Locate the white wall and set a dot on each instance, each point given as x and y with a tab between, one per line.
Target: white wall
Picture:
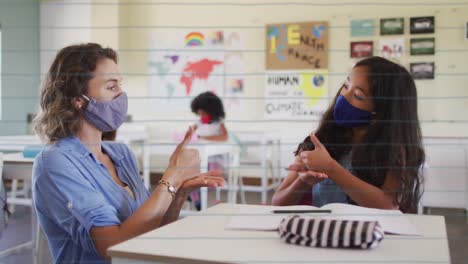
449	38
451	58
64	23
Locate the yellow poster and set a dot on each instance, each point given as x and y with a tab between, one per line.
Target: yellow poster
297	46
296	95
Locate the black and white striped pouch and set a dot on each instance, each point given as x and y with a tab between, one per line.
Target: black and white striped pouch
334	233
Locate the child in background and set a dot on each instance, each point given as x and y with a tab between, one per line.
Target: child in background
210	109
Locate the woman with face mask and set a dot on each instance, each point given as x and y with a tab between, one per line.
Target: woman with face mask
367	149
88	193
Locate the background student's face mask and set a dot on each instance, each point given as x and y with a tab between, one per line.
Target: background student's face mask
206	119
347	115
106	115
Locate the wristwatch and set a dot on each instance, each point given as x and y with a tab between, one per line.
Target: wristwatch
170	188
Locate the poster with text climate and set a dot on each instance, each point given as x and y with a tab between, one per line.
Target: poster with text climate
296	95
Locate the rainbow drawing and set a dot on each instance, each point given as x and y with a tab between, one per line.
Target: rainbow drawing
194	39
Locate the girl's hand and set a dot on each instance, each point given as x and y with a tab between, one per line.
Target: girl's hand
317	160
312	177
308	177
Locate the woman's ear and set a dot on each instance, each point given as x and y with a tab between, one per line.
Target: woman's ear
78	102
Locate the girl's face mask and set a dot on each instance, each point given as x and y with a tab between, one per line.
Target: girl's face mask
347	115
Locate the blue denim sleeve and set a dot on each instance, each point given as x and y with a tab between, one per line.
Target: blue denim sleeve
69	198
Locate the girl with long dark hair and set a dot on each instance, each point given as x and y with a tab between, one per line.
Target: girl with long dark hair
367	149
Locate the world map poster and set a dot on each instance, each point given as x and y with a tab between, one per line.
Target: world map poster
200	62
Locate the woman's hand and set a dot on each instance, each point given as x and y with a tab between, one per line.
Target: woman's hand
208	179
317	160
184	163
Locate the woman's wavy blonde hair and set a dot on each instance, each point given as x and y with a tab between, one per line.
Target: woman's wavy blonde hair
67	79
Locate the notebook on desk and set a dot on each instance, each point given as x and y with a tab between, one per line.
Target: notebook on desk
262	218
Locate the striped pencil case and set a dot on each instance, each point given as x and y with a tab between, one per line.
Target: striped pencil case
333	233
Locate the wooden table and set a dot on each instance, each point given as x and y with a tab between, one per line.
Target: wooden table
202	238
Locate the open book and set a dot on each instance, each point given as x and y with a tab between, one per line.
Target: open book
259	217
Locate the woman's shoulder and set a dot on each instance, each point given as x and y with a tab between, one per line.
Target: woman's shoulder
52	152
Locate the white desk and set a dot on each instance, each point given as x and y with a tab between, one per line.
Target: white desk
202	239
205	149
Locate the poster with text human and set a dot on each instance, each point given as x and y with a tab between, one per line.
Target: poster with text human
296	95
297	46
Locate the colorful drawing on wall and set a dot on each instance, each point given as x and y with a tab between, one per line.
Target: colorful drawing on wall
236	86
361	49
392	26
296	95
217	38
422	25
297	46
197	70
362	28
422	46
392	48
194	39
422	70
176	77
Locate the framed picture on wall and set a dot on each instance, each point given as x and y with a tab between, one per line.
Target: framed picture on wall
422	46
392	47
362	28
392	26
422	70
422	25
361	49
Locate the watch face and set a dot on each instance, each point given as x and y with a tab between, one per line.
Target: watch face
171	188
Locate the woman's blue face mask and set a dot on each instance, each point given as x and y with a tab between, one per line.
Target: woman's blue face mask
347	115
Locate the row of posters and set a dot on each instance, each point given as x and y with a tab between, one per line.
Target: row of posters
296	81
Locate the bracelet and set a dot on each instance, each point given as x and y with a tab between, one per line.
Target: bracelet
170	188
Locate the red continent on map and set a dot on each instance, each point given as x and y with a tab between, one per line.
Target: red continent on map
197	70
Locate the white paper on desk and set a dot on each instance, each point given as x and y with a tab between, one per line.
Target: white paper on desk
260	217
257	217
391	221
